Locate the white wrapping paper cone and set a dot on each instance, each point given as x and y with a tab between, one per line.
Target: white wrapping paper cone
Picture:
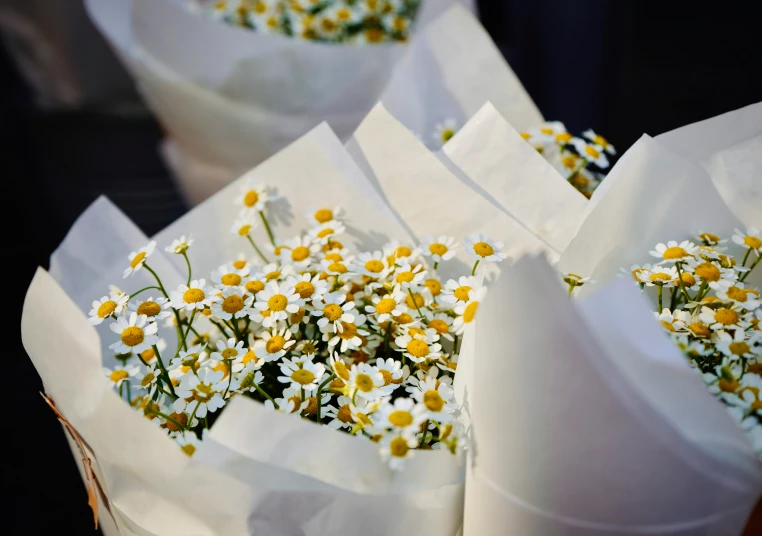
572	447
729	148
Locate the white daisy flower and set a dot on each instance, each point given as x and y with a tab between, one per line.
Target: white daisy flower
348	336
445	130
180	245
396	448
749	239
440	248
279	300
107	307
135	334
188	442
229	349
388	306
301	374
638	272
299	251
374	265
336	268
409	277
244	224
332	311
708	272
660	276
231	304
201	394
599	140
340	415
590	152
391	370
275	344
458	291
252	359
228	275
138	258
735	292
196	296
399	254
253	196
723	318
154	308
326	232
438	398
290	402
346	14
404	416
419	345
737	346
482	248
118	374
673	321
365	381
319	216
308	287
441	323
467	311
674	252
547	132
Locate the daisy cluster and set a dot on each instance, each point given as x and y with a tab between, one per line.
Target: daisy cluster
330	21
582	161
365	342
713	316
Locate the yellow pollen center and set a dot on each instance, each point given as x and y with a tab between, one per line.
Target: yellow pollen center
324	215
400	418
439	325
434	286
398	447
348	331
600	140
193	295
132	336
341	370
232	304
674	252
147	379
149	308
405	277
188	449
592	152
688	279
709	237
364	383
403	251
438	249
699	330
483	249
345	414
254	286
118	375
277	303
708	272
385	306
418	348
546	130
525	135
108	307
325	232
660	277
272	275
302	376
332	312
148	355
137	259
239	264
563	137
462	293
300	253
404	318
668	326
243	230
728	386
251	198
739	348
752	242
387	376
275	344
249	357
726	317
737	294
337	267
416	300
305	289
374	266
433	400
231	280
470	312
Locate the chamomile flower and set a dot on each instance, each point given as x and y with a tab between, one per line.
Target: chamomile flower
458	290
398	254
723	318
321	215
444	131
419	345
135	334
673	321
387	307
279	300
340	415
188	442
299	252
253	196
374	265
409	277
117	375
228	275
333	310
290	402
138	258
244	224
590	152
403	416
228	350
201	393
737	293
548	131
599	140
440	248
672	252
180	245
154	308
751	239
441	323
326	232
396	448
301	374
437	397
467	311
482	248
365	381
232	303
391	370
196	296
737	346
395	23
661	276
336	268
107	307
308	287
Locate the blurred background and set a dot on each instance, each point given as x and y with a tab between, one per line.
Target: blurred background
72	127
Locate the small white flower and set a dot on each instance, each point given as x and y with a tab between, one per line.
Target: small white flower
599	140
374	265
201	394
188	442
299	252
253	196
723	318
419	345
409	277
196	296
467	311
231	304
107	307
396	448
228	275
135	334
445	130
590	152
391	370
736	292
180	245
441	248
332	311
750	239
326	232
387	307
366	381
437	398
229	349
244	224
404	416
458	291
737	346
346	334
308	287
441	323
674	252
117	375
274	344
484	249
319	216
138	258
301	375
278	300
660	276
154	308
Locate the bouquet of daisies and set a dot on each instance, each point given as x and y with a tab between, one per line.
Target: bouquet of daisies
234	82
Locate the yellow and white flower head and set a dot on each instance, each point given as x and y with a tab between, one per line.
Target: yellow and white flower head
403	416
188	442
672	252
180	245
409	276
337	268
396	24
386	307
333	310
399	254
227	275
347	335
327	25
365	381
467	311
252	358
200	394
253	197
107	307
673	321
154	308
591	152
397	447
138	258
245	223
274	344
301	374
119	374
736	346
308	287
228	350
290	402
737	293
136	334
340	414
149	355
391	370
374	265
597	139
438	399
196	296
419	345
441	323
280	300
751	239
263	14
709	239
458	291
322	215
299	252
327	232
444	131
723	318
662	276
440	248
708	271
548	131
482	248
232	303
348	14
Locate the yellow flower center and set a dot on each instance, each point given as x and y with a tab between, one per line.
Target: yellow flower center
387	376
364	383
752	242
108	307
137	259
563	137
600	140
324	215
400	418
337	267
341	370
483	249
193	295
149	308
592	152
345	414
433	400
297	316
305	289
254	286
312	406
374	35
232	304
303	376
708	272
239	264
385	306
699	330
728	386
404	318
688	279
739	348
462	293
277	302
434	286
132	336
417	348
737	294
325	232
332	312
674	252
470	312
525	135
348	331
260	7
405	277
438	249
272	275
231	280
660	277
148	355
222	367
709	237
439	325
296	403
726	317
667	325
249	357
118	375
251	198
374	266
414	301
398	447
243	230
300	253
275	344
403	251
546	130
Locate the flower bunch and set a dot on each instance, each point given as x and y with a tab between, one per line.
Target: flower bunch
703	302
362	341
330	21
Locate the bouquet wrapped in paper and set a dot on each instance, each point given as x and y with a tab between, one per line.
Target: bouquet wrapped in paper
231	95
622	430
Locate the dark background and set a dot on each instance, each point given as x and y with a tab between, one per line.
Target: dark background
622	67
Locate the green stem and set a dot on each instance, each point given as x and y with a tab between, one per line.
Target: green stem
177	314
219	326
130	296
412	297
259	252
659	292
425	433
571	291
751	269
185	336
167	379
268	397
165	417
229	363
746	257
187	261
267	227
436	265
473	272
681	283
320	394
